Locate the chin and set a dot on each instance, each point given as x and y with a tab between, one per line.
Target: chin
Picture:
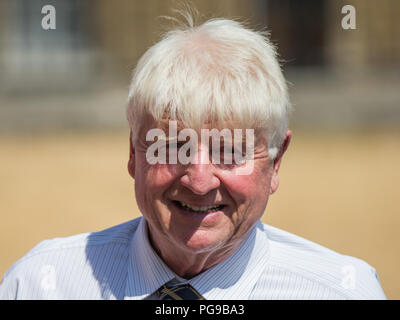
203	241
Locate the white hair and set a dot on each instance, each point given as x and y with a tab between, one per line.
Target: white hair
218	72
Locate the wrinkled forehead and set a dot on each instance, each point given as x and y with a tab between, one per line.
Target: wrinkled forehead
224	130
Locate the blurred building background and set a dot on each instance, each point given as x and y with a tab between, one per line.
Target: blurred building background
344	85
340	77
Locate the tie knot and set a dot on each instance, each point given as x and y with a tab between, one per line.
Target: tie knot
179	292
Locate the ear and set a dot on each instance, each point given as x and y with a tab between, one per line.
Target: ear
131	162
277	162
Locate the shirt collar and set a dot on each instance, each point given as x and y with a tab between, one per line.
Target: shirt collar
233	278
146	271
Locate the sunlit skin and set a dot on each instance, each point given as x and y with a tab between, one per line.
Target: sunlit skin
191	242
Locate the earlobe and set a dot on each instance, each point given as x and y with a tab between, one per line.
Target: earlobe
282	150
131	161
277	162
274	183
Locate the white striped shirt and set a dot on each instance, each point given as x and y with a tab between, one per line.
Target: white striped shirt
119	263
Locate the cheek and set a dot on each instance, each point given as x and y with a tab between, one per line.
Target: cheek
153	178
248	185
151	183
249	189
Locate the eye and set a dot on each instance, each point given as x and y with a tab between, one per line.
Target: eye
237	153
172	145
223	154
175	145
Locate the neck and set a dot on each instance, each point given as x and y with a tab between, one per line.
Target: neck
187	263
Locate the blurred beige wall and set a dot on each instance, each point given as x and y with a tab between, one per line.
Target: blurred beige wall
126	30
374	43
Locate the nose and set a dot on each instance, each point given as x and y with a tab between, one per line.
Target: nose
199	176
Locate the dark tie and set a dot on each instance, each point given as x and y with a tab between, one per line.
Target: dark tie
179	292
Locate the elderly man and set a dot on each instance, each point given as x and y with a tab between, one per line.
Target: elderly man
200	236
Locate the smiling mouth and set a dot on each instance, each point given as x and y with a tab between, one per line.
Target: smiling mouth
198	209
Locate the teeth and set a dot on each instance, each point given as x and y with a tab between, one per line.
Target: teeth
195	208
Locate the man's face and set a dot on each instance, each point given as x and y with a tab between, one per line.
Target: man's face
201	207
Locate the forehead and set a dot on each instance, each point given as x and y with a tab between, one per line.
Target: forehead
170	125
255	137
